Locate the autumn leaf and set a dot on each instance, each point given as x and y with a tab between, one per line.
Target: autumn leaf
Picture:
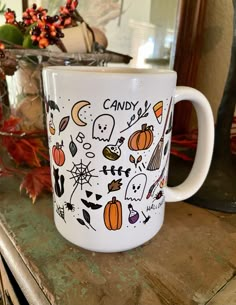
115	185
131	159
29	151
11	124
63	123
73	148
139	159
36	181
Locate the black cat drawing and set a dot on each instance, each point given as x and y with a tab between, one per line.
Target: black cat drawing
58	182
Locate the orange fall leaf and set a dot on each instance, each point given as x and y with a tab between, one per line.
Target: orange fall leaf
36	181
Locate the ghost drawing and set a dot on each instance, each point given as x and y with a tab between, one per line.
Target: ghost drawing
103	127
136	187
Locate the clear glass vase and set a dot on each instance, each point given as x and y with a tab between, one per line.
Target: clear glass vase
25	95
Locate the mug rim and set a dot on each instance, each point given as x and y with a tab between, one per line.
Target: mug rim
110	70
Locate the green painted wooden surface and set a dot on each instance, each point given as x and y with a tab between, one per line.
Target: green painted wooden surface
187	263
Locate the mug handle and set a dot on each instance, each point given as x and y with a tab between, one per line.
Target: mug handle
205	145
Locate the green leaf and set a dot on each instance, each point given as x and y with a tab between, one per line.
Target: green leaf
11	33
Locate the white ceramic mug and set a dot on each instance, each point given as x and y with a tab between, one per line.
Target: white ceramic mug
109	133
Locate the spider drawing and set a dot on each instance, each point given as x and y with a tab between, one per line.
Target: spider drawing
70	206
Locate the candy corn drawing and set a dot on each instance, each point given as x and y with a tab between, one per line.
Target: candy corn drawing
158	109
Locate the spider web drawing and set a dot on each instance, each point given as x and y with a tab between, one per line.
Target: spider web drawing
61	212
81	174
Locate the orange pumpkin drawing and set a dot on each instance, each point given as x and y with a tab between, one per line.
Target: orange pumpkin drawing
141	139
58	154
113	214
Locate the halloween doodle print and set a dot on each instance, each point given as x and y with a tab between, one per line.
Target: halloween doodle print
151	207
75	112
91	205
58	182
142	168
113	152
146	218
158	195
136	187
72	147
98	196
155	161
116	171
135	161
58	154
51	105
155	184
81	174
87	222
141	139
169	129
141	113
133	215
63	123
114	185
86	146
158	111
89	194
166	148
61	212
89	154
103	127
101	135
161	203
80	137
70	206
113	215
116	105
163	182
51	124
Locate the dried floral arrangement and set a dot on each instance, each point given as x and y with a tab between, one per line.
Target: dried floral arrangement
24	150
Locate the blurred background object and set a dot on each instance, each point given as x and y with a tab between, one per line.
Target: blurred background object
146	30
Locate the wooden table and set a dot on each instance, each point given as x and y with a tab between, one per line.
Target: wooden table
191	261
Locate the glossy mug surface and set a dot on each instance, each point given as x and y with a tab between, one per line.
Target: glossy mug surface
109	132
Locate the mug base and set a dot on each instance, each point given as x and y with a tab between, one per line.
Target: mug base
105	247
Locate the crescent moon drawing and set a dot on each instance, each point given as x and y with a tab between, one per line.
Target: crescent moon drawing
76	110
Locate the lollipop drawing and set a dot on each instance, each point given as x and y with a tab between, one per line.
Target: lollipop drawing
158	109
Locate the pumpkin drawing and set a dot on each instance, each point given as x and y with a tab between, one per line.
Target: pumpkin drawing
141	139
113	214
58	154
